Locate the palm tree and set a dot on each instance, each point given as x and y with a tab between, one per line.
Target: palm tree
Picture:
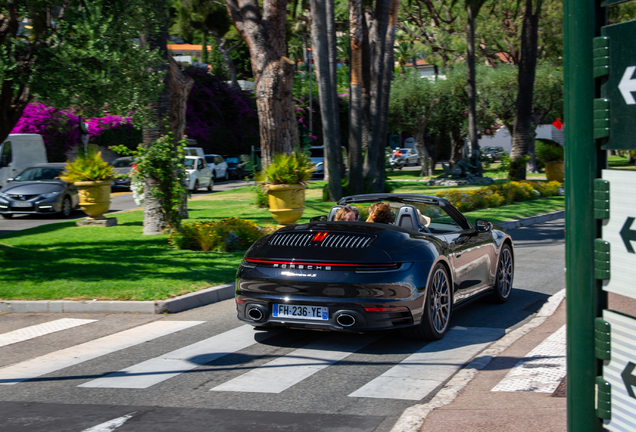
323	35
356	181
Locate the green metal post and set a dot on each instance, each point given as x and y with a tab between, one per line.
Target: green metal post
583	161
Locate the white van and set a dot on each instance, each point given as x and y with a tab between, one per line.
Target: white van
20	151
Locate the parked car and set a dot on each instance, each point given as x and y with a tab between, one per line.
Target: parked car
409	155
38	190
198	174
361	276
492	154
237	165
122	167
18	152
217	166
317	156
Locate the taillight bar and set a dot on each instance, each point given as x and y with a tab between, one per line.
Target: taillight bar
387	309
251	260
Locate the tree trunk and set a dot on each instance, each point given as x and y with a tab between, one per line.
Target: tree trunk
180	86
471	85
522	133
225	55
204	48
154	219
457	147
378	26
264	34
322	52
356	181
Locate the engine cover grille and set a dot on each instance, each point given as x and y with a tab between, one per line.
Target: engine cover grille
322	239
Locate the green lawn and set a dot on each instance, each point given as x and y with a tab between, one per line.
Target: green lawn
63	261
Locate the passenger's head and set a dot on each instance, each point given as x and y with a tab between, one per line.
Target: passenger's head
380	213
347	214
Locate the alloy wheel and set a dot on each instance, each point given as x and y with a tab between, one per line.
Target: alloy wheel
505	273
440	301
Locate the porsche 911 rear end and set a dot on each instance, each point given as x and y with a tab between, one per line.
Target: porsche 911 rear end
345	277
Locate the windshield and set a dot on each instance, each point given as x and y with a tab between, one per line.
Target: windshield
440	220
123	163
232	160
209	158
39	173
189	164
317	152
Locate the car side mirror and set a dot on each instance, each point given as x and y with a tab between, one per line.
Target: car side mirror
10	179
482	225
318	219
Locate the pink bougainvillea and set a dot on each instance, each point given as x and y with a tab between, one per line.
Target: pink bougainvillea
60	129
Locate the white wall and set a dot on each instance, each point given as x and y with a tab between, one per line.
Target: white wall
502	137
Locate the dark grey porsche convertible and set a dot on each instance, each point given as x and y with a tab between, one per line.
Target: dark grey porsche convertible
361	276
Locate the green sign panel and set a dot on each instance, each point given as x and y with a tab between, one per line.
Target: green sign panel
619	90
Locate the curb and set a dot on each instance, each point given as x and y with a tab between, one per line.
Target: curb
413	418
174	305
184	302
518	223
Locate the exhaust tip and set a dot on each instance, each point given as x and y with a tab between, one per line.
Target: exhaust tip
255	314
345	320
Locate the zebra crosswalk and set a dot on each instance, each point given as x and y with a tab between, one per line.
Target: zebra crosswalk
412	377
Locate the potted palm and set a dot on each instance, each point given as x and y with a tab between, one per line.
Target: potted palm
551	154
93	178
285	183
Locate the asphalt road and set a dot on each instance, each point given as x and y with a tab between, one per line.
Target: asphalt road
202	370
119	201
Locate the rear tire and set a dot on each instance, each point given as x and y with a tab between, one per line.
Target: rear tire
211	185
196	186
227	177
437	307
7	216
504	276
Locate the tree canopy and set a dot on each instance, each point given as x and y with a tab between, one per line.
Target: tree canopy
83	55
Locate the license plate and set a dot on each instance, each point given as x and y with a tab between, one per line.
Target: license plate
22	204
319	313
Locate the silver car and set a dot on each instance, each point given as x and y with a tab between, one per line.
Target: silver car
38	190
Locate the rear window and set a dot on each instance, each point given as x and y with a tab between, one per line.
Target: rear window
209	159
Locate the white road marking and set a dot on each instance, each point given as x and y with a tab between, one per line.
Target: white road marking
34	331
87	351
284	372
422	372
156	370
110	425
541	370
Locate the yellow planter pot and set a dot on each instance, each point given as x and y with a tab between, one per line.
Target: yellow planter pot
286	202
94	197
555	171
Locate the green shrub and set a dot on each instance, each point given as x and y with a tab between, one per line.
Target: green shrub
547	150
89	166
261	200
293	168
498	195
227	235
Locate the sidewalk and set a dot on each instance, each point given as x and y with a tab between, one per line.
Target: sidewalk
478	408
467	403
